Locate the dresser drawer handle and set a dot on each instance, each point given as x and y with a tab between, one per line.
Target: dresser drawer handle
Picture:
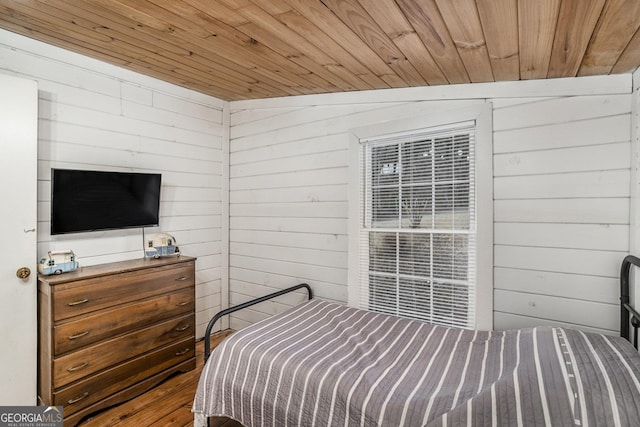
78	367
80	335
182	278
82	301
185	351
182	328
77	398
182	304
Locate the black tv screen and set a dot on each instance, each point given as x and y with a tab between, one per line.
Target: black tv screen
83	200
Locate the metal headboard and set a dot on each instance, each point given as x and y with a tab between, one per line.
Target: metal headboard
626	310
214	319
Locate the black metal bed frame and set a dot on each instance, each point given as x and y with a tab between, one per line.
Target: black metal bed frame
214	319
628	315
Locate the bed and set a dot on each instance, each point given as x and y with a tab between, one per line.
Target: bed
325	364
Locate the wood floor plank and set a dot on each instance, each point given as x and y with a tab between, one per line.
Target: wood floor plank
168	404
179	417
133	408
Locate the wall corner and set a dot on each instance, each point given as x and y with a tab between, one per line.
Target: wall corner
224	225
634	203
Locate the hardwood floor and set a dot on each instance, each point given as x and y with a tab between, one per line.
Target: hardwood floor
168	404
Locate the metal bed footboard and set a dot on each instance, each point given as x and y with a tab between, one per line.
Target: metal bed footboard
626	310
214	319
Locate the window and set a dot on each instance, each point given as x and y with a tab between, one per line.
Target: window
418	225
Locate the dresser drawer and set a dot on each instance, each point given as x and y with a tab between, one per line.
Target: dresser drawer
93	389
92	359
84	296
117	320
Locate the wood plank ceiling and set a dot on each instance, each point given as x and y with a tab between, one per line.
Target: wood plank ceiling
245	49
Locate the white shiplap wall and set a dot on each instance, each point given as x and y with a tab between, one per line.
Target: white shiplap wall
96	116
561	189
289	197
561	184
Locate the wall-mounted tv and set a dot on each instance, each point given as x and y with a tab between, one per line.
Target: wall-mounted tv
84	200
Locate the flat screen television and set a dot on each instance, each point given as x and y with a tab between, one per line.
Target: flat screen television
84	200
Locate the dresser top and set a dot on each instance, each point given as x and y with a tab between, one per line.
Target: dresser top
113	268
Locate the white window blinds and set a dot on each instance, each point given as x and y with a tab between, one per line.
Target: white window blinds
418	225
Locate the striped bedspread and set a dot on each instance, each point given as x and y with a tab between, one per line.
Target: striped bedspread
325	364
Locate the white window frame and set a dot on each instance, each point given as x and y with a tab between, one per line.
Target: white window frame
482	116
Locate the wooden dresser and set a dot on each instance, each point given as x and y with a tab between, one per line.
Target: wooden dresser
109	332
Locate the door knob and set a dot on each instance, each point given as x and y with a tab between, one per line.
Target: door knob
23	272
